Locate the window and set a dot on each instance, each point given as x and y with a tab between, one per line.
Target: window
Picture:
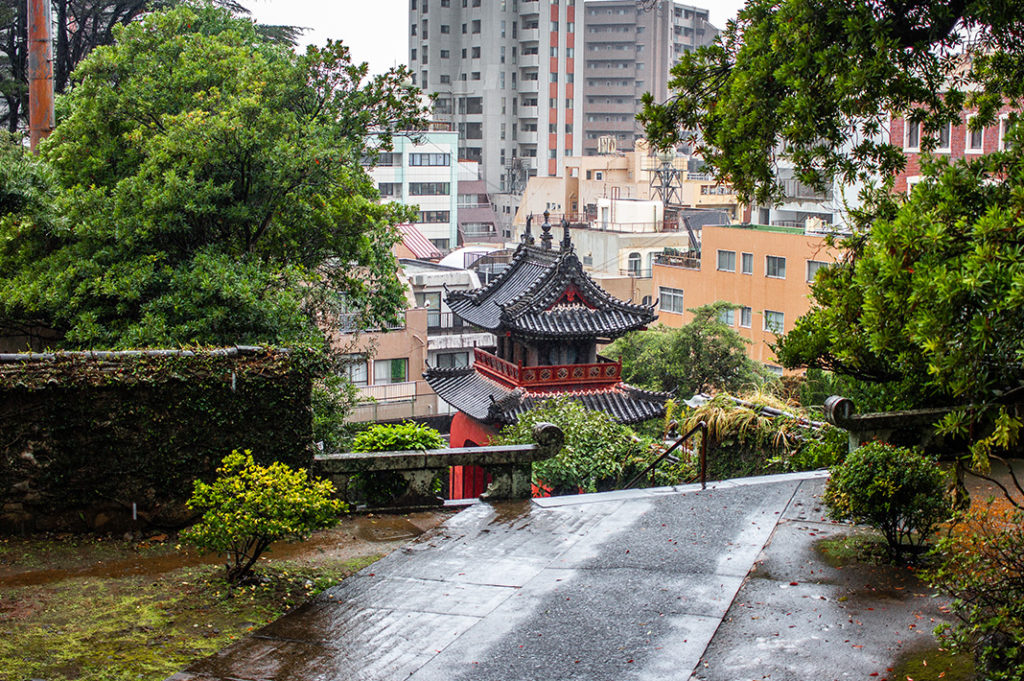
747	263
944	137
384	159
431	301
390	371
475	75
429	188
726	261
671	299
452	360
727	316
476	52
434	217
445	53
745	315
775	267
355	369
1004	127
445	80
912	136
774	322
445	28
975	138
476	26
430	159
812	268
389	188
634	263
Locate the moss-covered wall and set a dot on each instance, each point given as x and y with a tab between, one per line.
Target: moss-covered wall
84	436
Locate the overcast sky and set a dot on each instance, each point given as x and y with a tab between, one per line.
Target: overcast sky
375	30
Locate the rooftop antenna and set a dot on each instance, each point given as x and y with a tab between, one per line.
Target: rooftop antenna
40	73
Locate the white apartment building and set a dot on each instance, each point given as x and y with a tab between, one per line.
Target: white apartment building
423	170
504	74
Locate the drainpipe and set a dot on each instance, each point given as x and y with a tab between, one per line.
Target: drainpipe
40	72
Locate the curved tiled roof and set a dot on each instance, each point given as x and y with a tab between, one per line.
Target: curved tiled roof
489	402
528	298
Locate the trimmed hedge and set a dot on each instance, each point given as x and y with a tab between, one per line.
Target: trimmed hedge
86	435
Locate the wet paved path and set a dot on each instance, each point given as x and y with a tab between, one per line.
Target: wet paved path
623	585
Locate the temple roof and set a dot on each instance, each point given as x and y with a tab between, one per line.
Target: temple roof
489	402
545	293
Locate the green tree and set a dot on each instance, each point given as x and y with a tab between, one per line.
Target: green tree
814	82
702	355
211	191
598	454
927	300
248	507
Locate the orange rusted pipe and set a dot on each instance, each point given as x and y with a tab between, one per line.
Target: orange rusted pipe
40	72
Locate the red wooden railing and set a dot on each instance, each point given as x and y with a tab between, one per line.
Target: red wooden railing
548	375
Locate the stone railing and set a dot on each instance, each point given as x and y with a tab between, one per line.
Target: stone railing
909	427
510	467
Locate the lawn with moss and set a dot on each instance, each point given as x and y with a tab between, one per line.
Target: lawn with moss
80	624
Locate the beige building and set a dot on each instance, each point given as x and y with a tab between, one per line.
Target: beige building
765	270
635	175
387	365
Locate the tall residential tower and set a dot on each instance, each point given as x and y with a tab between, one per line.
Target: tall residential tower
628	50
504	74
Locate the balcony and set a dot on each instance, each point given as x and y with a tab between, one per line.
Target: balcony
635	273
350	323
527	137
551	376
529	86
529	35
387	392
447	322
529	112
686	262
529	61
795	190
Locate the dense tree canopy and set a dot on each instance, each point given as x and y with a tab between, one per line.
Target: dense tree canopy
702	355
814	82
208	188
928	298
79	26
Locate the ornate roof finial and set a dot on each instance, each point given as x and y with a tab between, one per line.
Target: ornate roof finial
528	235
566	239
546	229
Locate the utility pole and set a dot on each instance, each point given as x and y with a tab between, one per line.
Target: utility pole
40	72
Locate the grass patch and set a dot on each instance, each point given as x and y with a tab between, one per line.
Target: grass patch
932	664
145	627
851	549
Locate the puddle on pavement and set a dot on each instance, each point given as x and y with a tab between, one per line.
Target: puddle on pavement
385	528
369	528
509	512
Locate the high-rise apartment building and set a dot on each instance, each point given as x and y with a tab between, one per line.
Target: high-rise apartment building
503	73
628	50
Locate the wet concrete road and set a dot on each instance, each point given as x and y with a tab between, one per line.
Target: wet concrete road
623	585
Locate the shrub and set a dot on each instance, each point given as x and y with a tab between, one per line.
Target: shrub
825	448
248	507
895	490
379	488
598	454
982	568
397	438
